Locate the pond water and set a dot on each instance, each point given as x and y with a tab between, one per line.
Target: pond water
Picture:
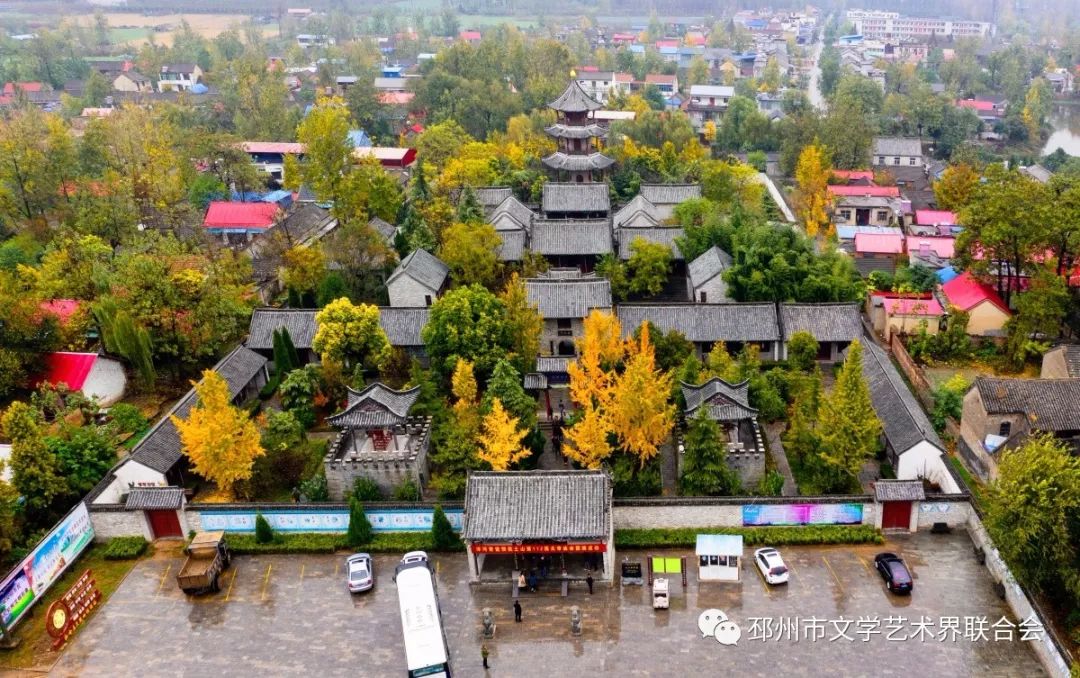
1066	135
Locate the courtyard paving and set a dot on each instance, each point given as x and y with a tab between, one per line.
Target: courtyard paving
291	615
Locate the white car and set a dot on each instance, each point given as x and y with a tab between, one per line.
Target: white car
771	565
360	575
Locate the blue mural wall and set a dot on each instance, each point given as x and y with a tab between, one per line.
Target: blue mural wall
331	520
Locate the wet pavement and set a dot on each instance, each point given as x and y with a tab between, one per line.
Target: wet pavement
291	615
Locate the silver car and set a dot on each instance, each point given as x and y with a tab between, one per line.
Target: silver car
359	572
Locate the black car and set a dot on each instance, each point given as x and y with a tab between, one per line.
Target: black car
894	572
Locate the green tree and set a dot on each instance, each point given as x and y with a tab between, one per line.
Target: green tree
365	489
705	471
847	423
36	472
648	267
523	323
467	323
505	385
698	72
1031	515
360	531
297	391
350	334
264	534
85	453
442	533
471	252
469	210
802	351
1040	311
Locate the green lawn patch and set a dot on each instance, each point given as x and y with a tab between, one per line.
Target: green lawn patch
686	537
35	645
978	491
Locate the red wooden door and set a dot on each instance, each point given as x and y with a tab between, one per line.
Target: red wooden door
896	514
164	524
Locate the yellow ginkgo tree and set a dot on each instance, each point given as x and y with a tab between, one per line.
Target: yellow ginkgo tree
221	440
501	438
640	413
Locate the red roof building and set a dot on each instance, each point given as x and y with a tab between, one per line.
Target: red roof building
927	307
95	376
879	243
871	191
470	36
987	313
976	105
935	218
240	216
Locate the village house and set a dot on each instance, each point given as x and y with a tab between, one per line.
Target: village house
237	223
95	376
564	299
158	461
877	252
833	325
911	444
866	205
708	103
896	152
892	314
418	280
705	276
1061	362
379	440
987	312
602	85
403	327
1000	414
664	198
179	77
132	81
705	325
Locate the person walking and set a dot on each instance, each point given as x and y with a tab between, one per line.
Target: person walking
589	581
517	611
484	654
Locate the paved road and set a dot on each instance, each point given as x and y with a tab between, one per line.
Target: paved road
814	88
290	615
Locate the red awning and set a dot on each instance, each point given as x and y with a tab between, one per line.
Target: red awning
540	547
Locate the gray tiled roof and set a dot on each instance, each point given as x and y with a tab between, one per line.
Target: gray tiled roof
383	228
375	406
299	321
899	490
160	448
490	196
635	210
511	245
534	381
305	221
562	131
709	264
403	325
577	163
663	236
516	209
152	498
827	322
571	236
706	322
575	100
725	401
1071	354
669	194
576	197
552	364
568	298
893	146
1049	404
522	505
903	420
423	267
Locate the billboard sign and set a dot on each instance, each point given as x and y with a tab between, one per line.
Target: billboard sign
756	515
45	564
331	520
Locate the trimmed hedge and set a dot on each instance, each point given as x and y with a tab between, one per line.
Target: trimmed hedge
311	542
686	537
125	548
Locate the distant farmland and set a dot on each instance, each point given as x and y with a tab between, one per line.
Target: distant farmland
127	27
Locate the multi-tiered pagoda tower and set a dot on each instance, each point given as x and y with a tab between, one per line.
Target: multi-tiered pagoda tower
577	159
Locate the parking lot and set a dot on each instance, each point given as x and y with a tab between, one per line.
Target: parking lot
290	615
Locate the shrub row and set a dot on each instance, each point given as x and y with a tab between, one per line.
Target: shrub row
752	536
125	548
306	542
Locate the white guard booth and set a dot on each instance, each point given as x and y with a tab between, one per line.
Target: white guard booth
719	557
